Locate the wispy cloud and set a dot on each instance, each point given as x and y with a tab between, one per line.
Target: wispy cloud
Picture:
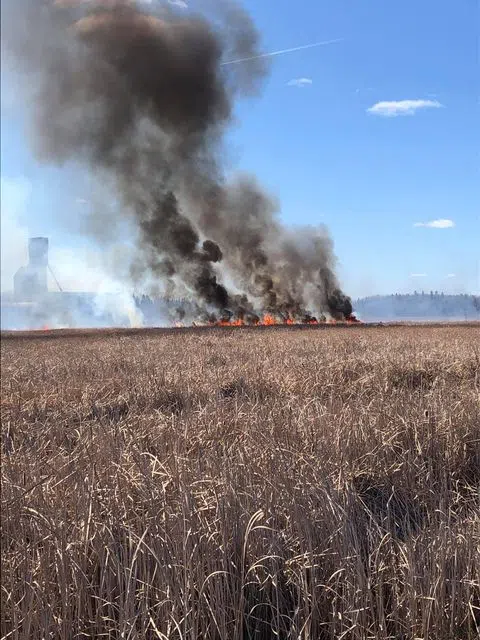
441	223
363	90
391	109
270	54
450	275
300	82
179	3
418	275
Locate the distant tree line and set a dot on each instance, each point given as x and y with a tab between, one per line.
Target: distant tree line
432	305
420	305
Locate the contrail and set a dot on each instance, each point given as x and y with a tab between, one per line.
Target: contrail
278	53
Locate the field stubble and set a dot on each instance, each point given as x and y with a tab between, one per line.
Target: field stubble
242	484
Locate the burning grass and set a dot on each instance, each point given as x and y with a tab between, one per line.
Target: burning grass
269	320
234	484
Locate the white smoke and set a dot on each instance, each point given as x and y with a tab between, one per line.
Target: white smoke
71	269
15	194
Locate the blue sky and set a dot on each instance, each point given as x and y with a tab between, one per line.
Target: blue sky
371	135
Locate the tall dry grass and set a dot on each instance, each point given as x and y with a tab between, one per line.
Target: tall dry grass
242	484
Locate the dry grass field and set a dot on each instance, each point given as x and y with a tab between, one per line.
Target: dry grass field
242	484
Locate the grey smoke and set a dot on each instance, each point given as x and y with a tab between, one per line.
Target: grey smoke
143	99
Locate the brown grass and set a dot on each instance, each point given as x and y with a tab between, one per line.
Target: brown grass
242	485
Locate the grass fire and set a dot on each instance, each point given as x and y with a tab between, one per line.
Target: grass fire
142	99
269	320
209	444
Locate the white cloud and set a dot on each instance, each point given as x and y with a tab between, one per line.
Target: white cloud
450	275
441	223
300	82
179	3
390	109
418	275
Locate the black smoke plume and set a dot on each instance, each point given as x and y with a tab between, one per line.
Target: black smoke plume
143	98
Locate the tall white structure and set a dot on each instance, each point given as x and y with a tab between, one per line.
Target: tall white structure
30	282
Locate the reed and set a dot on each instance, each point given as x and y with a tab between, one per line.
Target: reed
242	484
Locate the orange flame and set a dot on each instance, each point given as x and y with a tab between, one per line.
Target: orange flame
230	323
270	320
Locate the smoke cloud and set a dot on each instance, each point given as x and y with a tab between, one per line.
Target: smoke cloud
142	97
